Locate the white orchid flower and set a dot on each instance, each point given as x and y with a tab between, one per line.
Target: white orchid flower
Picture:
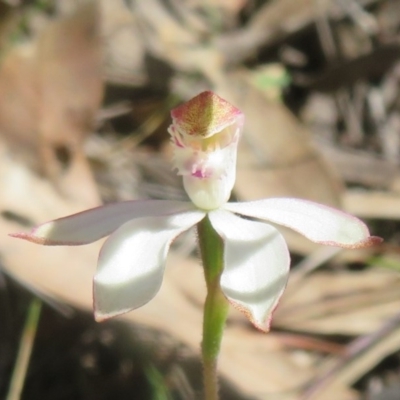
205	133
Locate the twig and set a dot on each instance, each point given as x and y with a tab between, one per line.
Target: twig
355	349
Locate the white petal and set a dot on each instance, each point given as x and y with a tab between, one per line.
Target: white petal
131	262
256	267
96	223
317	222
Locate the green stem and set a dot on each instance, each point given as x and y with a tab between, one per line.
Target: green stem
25	350
216	306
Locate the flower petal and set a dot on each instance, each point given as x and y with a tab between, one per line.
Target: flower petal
317	222
131	262
96	223
256	267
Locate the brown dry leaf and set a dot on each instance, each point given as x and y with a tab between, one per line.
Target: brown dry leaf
167	39
19	97
361	167
345	302
273	21
373	204
49	92
124	52
70	65
227	6
361	355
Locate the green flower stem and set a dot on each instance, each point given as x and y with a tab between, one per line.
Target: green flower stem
25	350
216	306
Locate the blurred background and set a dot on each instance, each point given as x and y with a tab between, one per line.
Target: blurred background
86	88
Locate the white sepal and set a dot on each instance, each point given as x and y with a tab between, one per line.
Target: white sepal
91	225
132	260
256	268
317	222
